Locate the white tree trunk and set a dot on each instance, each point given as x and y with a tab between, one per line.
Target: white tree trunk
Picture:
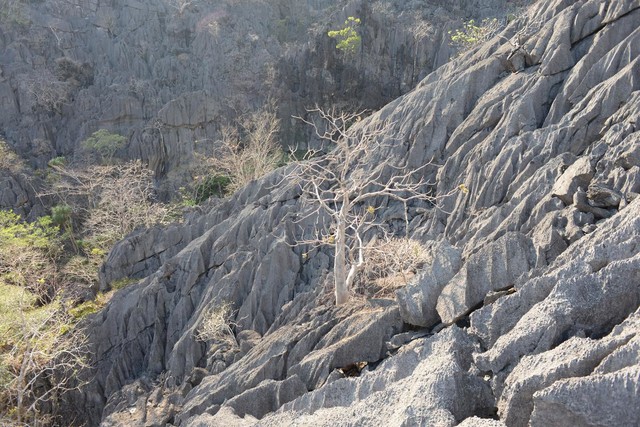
356	266
339	264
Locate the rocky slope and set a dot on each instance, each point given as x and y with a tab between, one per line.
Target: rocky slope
528	312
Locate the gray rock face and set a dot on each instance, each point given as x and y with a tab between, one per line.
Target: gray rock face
166	76
566	331
308	352
426	383
609	399
544	374
495	267
267	397
603	273
18	187
418	299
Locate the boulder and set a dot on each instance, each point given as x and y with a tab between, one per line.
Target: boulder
417	301
579	174
494	267
602	196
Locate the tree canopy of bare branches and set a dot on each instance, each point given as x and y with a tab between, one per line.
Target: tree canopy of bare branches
339	186
44	353
249	149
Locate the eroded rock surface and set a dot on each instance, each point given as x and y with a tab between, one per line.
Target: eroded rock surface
168	74
545	144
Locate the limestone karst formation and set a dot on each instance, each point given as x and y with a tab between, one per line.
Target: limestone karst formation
526	312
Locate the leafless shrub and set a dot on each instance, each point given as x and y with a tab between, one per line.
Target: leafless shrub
389	264
9	160
47	92
41	356
217	325
247	150
112	200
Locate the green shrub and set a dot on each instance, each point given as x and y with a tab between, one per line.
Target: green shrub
122	283
472	34
83	310
213	185
28	251
104	143
348	38
61	215
59	161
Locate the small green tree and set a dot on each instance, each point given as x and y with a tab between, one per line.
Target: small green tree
471	34
104	143
348	38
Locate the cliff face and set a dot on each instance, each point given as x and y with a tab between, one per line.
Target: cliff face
529	306
166	77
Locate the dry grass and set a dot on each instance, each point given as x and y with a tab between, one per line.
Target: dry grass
389	264
217	325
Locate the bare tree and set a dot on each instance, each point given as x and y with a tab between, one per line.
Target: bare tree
339	185
110	200
249	149
47	92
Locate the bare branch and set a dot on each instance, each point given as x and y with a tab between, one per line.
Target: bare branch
342	182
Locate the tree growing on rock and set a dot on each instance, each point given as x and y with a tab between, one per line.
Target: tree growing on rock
104	144
344	185
348	39
248	149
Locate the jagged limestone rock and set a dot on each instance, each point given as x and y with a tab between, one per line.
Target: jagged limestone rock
574	358
508	137
268	396
418	299
494	267
603	272
599	400
427	383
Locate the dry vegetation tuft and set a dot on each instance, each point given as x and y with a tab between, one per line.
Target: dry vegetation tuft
217	325
389	264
